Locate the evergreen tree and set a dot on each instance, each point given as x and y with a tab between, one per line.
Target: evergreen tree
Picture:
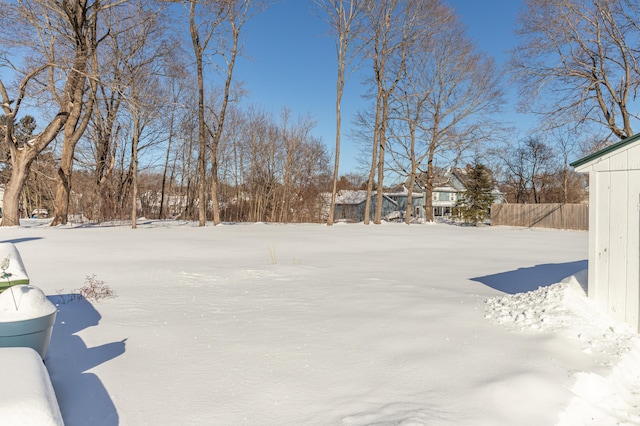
476	201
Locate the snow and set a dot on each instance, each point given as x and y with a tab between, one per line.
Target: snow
22	302
26	395
604	395
264	324
14	269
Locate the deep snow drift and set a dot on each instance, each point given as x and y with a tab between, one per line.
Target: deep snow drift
306	324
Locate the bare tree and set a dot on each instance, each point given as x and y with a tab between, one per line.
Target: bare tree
449	94
579	60
202	28
566	143
264	165
295	137
74	128
131	31
529	166
393	27
175	89
411	101
279	168
233	155
103	134
387	46
62	38
343	16
222	22
187	156
237	12
142	61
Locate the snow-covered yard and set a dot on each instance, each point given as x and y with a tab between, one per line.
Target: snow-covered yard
258	324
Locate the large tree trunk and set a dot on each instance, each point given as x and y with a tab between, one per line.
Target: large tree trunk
76	123
198	50
13	190
72	135
63	186
382	140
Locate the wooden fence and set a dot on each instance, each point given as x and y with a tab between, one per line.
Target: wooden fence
558	216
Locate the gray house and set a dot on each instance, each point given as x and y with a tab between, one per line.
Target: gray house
350	206
449	187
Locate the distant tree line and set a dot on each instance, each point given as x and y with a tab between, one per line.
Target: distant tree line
435	97
111	82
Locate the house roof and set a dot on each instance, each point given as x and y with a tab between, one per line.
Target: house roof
402	191
351	197
611	148
356	197
449	180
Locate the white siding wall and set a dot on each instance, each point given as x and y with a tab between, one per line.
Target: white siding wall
614	233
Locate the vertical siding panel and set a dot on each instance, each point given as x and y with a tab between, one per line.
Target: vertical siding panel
634	158
618	161
633	250
601	244
618	216
594	217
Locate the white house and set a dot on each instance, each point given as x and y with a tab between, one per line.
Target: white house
614	228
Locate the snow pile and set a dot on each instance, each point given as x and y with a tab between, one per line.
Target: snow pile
565	309
610	398
26	394
607	400
22	302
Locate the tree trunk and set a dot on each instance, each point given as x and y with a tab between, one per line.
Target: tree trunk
236	20
428	190
161	213
412	174
336	164
202	167
372	170
13	190
134	172
382	142
63	187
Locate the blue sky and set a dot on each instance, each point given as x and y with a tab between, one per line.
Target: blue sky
291	61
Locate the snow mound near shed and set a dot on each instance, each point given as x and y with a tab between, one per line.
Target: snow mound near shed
564	309
606	400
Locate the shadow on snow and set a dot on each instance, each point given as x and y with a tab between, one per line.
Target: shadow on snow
82	397
21	240
523	280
